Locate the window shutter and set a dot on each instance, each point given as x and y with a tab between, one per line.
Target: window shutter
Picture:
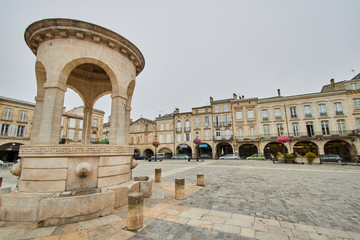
25	132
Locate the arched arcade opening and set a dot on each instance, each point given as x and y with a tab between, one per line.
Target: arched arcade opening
223	149
184	149
247	150
339	147
304	147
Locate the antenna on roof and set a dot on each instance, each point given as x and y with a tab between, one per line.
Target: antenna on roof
353	71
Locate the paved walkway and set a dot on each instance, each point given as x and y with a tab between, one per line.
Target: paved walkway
241	200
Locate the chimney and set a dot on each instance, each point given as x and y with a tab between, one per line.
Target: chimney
332	81
242	96
211	99
279	93
234	96
176	110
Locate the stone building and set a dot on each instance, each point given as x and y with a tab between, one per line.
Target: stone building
15	124
323	122
72	125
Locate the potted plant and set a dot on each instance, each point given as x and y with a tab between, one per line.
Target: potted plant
310	157
283	140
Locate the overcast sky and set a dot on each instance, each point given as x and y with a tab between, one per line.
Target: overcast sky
195	49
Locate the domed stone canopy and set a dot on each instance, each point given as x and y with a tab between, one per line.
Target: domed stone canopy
47	29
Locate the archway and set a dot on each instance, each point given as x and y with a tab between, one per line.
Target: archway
272	148
9	152
205	150
304	147
184	149
338	147
148	153
167	151
247	150
223	149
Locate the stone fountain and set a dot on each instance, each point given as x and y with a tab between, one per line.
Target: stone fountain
66	183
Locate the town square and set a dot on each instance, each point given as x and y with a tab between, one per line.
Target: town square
191	120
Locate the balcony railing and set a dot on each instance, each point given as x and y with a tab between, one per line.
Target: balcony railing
247	138
178	129
222	124
187	129
222	138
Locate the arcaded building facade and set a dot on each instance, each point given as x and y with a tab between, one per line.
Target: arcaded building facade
322	122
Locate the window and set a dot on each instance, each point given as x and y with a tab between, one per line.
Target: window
72	122
322	109
239	116
197	134
266	128
341	126
22	117
217	108
137	128
7	114
218	134
207	134
338	108
197	122
178	127
226	120
252	132
293	112
146	127
310	129
20	131
187	125
358	123
93	137
196	111
161	138
277	112
265	114
187	137
168	138
226	108
280	129
5	129
325	127
217	121
295	127
167	126
179	137
357	104
95	122
227	134
161	127
307	111
206	121
71	133
353	86
81	124
241	135
80	135
206	110
250	115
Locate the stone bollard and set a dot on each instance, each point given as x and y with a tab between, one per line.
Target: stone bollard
200	180
157	174
180	188
135	213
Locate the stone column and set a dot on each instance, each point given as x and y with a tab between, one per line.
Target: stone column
157	174
52	109
200	180
135	211
36	120
180	188
87	124
118	121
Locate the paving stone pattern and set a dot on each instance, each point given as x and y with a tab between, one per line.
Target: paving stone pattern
240	200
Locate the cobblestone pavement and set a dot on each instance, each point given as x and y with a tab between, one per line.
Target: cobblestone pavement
240	200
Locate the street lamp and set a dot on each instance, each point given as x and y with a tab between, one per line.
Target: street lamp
197	142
